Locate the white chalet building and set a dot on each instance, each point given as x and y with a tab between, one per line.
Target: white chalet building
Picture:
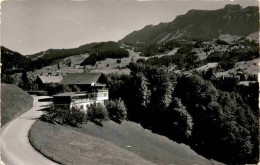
93	91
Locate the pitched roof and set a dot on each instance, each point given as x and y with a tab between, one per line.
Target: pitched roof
50	79
81	78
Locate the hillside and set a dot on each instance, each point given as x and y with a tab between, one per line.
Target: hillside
107	66
14	101
200	24
127	143
12	60
87	48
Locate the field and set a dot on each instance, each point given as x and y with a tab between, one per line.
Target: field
249	67
127	143
14	101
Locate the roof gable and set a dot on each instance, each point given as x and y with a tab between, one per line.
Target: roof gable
81	78
50	79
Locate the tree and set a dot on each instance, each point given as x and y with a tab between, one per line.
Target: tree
68	62
51	89
97	113
150	95
118	61
209	74
118	86
61	88
139	96
160	87
239	129
25	82
116	110
141	60
226	83
250	95
179	119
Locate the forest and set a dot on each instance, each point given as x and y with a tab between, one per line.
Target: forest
219	123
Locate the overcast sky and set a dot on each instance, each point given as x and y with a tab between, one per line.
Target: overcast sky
32	26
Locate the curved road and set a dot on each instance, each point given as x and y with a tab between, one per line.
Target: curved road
15	146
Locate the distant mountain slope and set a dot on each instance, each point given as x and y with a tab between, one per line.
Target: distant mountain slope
14	101
87	48
201	24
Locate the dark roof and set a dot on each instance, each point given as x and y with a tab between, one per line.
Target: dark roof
50	79
81	78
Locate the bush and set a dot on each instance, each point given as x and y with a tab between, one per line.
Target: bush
118	61
76	116
97	113
62	115
116	110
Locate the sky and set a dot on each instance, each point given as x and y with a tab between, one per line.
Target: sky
35	25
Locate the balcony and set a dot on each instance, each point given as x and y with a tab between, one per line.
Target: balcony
98	95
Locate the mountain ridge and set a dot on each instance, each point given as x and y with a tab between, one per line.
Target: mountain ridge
200	24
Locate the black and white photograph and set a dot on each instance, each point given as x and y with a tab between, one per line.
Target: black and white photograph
129	82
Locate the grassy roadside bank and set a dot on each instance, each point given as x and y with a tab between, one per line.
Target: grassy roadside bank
14	101
127	143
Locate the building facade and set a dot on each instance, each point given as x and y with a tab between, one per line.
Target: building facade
80	100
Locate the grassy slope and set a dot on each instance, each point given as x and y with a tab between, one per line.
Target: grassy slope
249	67
110	145
14	101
